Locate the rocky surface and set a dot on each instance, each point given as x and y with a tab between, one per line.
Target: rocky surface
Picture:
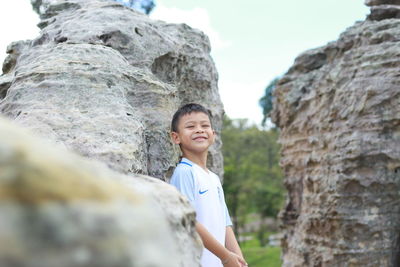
101	80
338	108
58	209
381	2
383	9
105	80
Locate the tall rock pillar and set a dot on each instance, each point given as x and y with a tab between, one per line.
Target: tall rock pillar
338	108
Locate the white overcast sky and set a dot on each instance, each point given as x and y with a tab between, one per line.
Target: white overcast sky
252	41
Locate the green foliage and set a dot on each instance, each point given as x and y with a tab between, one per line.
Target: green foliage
266	102
253	178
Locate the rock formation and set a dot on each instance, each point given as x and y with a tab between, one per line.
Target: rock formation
105	80
338	108
58	209
101	80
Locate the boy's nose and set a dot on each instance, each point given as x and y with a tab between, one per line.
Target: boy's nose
199	130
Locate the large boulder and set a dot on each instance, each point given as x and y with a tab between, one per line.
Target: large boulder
105	80
338	108
59	209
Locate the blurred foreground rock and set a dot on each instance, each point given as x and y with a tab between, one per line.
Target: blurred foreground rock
58	209
338	108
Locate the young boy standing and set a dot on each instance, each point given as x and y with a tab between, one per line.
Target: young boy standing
191	129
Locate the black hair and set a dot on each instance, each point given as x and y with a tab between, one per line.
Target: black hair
187	109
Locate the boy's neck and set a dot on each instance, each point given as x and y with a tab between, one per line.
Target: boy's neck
199	159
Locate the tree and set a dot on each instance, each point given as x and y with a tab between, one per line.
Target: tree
145	6
266	102
253	178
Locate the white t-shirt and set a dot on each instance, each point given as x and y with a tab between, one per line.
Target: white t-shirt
205	193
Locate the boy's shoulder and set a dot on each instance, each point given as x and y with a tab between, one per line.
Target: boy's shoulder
183	175
184	166
185	163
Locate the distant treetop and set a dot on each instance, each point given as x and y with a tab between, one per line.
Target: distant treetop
266	102
145	6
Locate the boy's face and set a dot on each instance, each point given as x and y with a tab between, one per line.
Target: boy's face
195	133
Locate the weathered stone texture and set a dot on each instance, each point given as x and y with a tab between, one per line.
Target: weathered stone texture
338	108
381	2
384	12
102	80
105	80
58	209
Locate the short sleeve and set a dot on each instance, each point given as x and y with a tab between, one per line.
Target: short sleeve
183	180
227	217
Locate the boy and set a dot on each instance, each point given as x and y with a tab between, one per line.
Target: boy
191	129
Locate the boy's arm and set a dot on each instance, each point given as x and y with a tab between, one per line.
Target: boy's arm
231	242
228	258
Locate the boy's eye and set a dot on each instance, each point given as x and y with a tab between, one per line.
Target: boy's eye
206	125
190	126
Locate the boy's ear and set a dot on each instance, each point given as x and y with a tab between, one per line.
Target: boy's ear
175	138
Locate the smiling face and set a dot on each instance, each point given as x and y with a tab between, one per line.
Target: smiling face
194	134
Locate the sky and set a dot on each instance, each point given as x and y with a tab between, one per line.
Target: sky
252	42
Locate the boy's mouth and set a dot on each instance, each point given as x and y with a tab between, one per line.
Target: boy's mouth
199	138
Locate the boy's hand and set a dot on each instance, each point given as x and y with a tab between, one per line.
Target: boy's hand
234	260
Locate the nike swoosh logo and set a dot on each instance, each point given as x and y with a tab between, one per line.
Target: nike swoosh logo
202	192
